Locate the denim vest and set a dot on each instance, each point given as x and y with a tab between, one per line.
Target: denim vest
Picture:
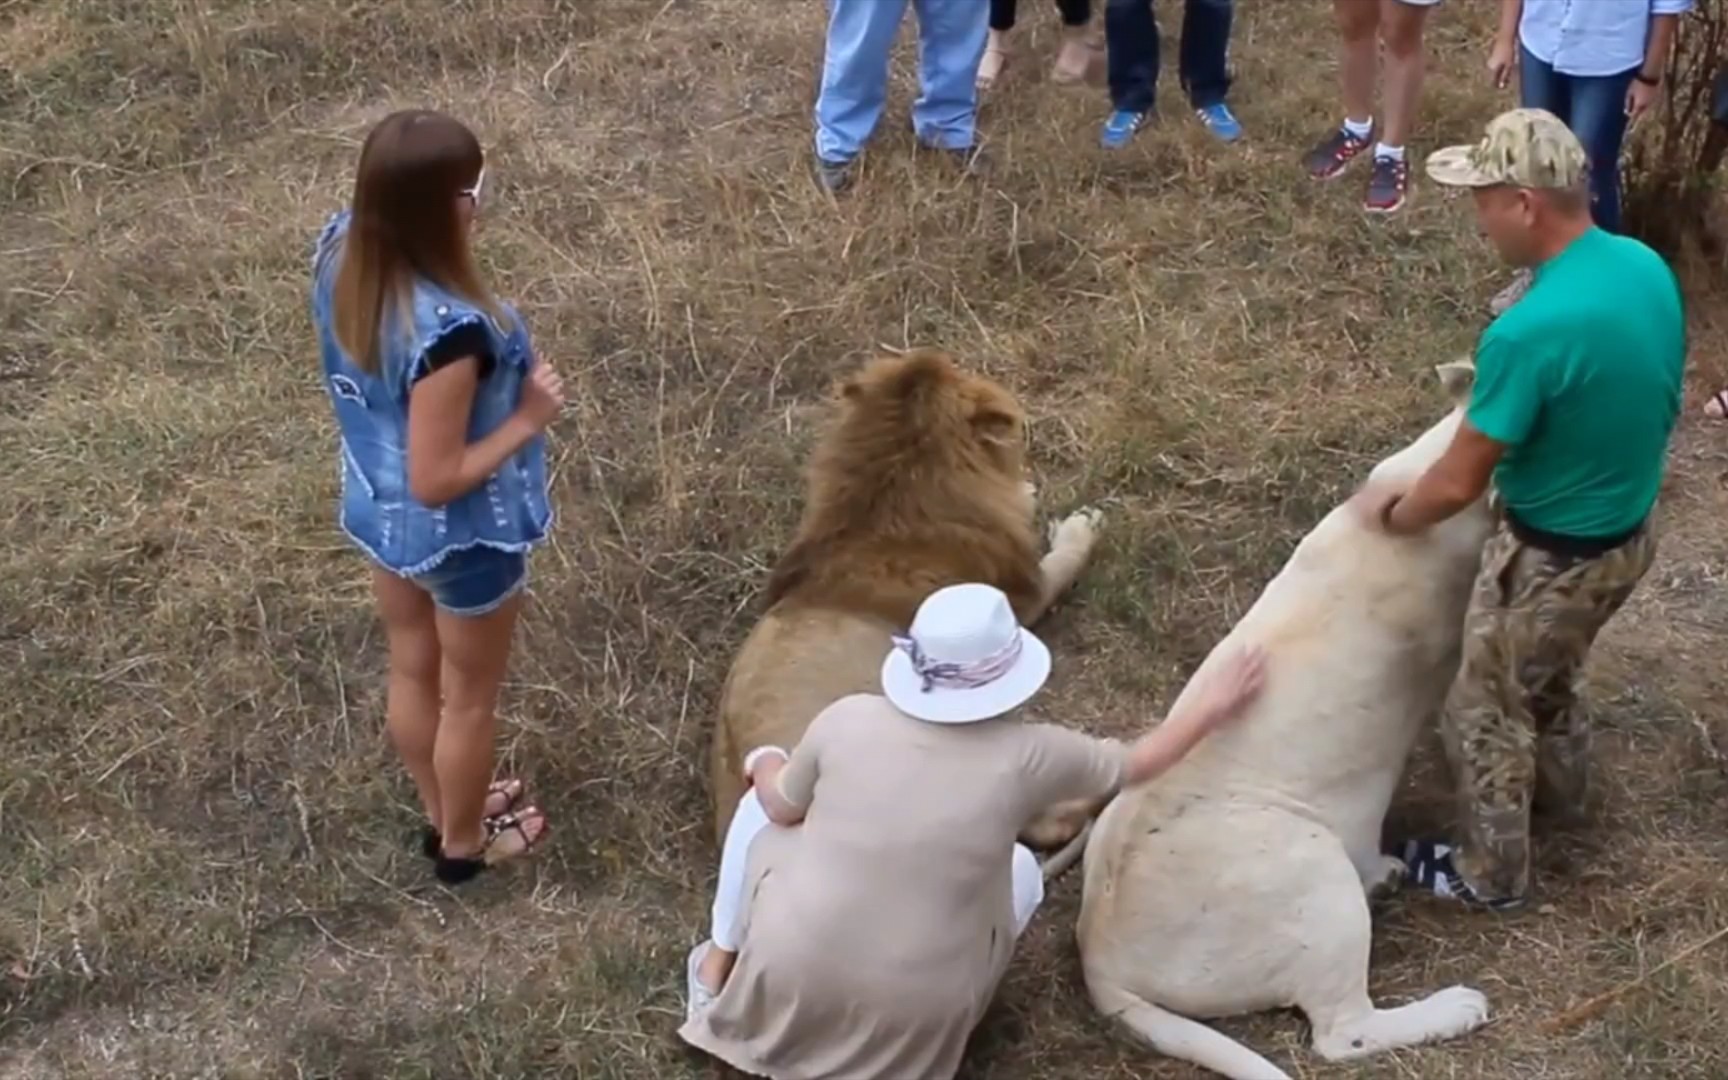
510	511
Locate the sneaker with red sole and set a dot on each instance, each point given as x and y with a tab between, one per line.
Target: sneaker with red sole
1388	185
1330	155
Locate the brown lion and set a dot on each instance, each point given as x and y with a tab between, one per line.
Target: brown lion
918	483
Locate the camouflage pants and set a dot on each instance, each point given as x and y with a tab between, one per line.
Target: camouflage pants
1513	727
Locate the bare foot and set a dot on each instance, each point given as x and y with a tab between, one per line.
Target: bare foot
995	60
1080	50
501	797
513	834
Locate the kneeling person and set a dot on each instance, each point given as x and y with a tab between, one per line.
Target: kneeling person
869	939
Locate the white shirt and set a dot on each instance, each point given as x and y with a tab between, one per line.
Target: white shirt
1592	37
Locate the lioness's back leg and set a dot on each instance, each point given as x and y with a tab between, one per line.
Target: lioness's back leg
1334	996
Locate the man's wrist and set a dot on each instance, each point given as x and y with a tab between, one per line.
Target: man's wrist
1647	80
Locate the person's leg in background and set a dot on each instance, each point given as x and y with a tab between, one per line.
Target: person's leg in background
1082	46
1028	884
710	962
951	36
1131	40
854	87
1205	64
1358	66
1598	118
1401	26
996	47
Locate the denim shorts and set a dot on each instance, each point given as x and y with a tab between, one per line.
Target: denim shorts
475	581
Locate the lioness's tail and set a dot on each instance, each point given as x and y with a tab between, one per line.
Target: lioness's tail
1068	853
1179	1037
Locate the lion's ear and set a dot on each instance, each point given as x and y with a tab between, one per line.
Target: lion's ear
996	425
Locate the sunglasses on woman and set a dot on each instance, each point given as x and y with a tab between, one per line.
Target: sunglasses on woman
474	192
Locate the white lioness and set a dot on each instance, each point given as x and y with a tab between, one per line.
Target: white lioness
1239	880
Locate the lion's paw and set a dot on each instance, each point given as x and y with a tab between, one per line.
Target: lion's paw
1389	875
1078	530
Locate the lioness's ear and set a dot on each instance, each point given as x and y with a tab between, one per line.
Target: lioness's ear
1457	376
996	425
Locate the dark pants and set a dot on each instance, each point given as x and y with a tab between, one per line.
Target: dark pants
1074	13
1131	35
1594	107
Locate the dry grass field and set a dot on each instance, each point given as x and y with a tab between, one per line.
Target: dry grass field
205	840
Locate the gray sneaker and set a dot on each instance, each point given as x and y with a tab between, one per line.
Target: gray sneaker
833	176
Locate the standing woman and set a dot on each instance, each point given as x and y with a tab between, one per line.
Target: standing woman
1081	44
1598	67
440	407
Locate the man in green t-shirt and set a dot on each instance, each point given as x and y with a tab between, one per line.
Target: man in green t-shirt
1577	388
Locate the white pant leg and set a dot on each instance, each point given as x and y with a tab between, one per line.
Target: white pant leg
749	820
1028	879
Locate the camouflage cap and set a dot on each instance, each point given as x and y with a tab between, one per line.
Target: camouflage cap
1530	148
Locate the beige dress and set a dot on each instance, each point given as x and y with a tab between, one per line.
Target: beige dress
873	935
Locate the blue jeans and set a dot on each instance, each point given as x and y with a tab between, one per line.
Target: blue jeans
1131	36
951	37
1594	107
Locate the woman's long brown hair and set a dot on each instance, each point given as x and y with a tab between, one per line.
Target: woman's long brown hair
404	222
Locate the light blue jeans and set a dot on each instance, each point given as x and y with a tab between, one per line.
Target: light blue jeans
951	36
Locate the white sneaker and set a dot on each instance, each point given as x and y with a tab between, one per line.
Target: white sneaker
697	997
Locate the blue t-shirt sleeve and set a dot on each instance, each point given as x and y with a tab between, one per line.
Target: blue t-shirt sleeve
1507	396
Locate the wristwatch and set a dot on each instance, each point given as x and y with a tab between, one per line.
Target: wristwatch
755	755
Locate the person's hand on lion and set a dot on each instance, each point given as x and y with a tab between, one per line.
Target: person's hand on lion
1224	695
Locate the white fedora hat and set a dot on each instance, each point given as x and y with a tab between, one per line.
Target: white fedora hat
966	658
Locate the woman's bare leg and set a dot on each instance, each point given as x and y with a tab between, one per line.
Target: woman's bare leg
476	651
412	697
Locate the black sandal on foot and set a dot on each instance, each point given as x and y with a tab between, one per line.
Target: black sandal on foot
432	843
454	871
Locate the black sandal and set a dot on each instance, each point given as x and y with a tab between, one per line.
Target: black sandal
453	871
432	842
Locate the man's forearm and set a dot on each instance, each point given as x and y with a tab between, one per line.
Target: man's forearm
1428	503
